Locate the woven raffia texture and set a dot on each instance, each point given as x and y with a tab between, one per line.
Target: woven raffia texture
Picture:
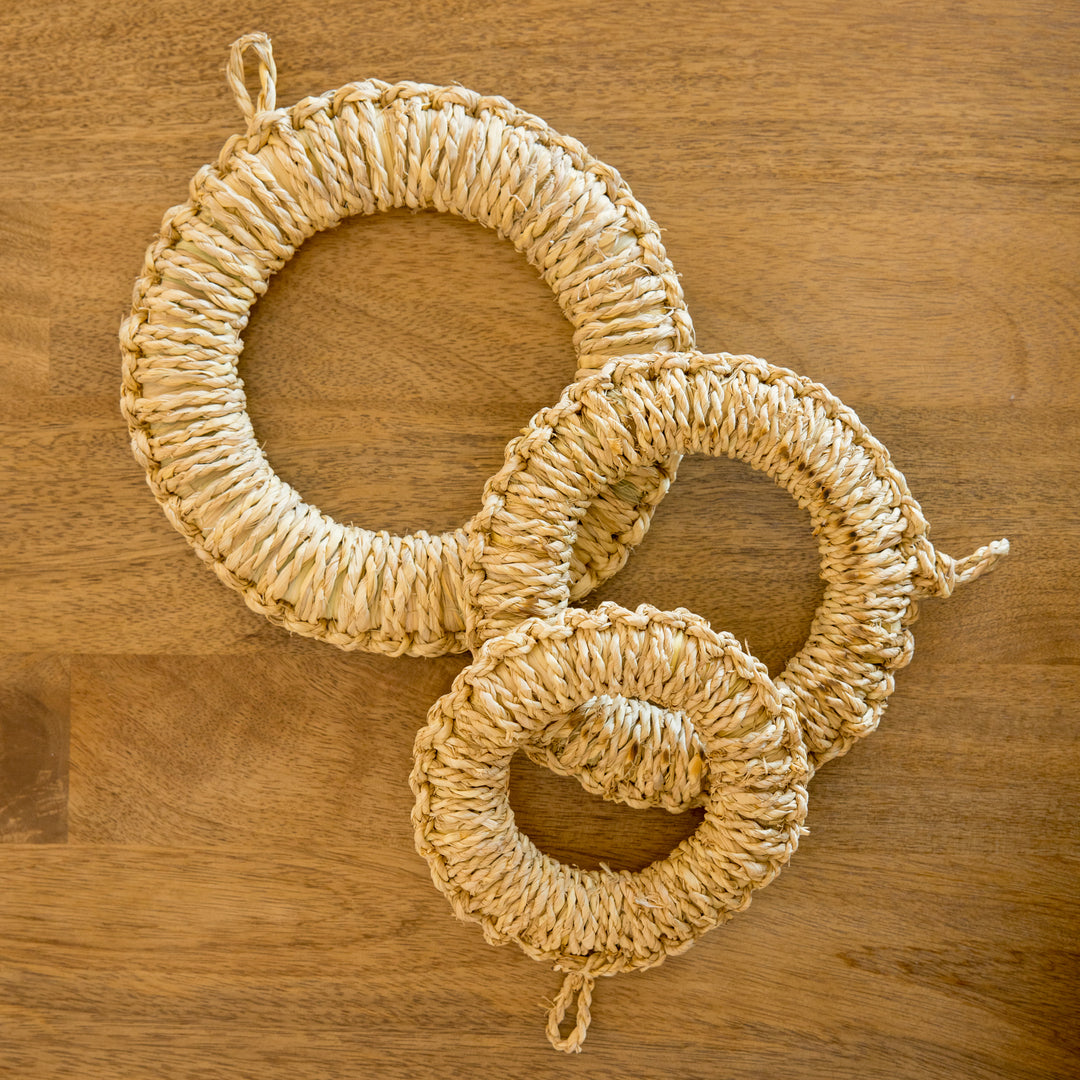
646	707
876	555
364	148
600	922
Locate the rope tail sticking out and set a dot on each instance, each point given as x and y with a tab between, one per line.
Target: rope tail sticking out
938	574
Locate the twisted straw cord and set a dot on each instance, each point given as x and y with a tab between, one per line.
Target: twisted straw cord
938	574
367	147
877	560
267	98
582	986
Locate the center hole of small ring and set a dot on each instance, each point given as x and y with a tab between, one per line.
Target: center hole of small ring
392	359
581	829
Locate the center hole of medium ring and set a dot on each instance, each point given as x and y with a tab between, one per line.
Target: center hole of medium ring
734	547
391	360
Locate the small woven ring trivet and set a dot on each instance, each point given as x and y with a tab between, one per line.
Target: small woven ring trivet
598	922
367	147
876	556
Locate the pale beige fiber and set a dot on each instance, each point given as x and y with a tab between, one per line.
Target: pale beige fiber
364	148
877	560
647	707
600	922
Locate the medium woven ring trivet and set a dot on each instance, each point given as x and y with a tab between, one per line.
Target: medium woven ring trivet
599	922
876	556
367	147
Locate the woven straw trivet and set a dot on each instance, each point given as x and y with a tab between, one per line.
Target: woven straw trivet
600	922
367	147
650	707
876	557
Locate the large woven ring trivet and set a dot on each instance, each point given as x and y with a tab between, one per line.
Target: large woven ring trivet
599	922
366	147
876	556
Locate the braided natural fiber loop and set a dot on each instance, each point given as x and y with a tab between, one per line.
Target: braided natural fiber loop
367	147
599	922
876	556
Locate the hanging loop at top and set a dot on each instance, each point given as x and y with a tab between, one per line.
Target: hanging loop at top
266	98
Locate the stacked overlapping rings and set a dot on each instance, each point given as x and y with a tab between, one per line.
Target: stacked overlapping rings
702	720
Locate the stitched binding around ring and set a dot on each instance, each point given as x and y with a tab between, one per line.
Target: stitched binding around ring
364	148
591	923
876	555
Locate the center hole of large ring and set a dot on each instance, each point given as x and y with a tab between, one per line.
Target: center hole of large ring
580	829
732	546
393	358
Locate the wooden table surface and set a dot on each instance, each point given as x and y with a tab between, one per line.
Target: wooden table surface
208	867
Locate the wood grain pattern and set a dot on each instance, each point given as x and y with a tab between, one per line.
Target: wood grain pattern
35	699
882	197
233	961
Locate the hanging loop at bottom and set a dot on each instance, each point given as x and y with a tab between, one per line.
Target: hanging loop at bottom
582	985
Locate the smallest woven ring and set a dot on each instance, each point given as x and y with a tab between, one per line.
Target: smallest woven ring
590	923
